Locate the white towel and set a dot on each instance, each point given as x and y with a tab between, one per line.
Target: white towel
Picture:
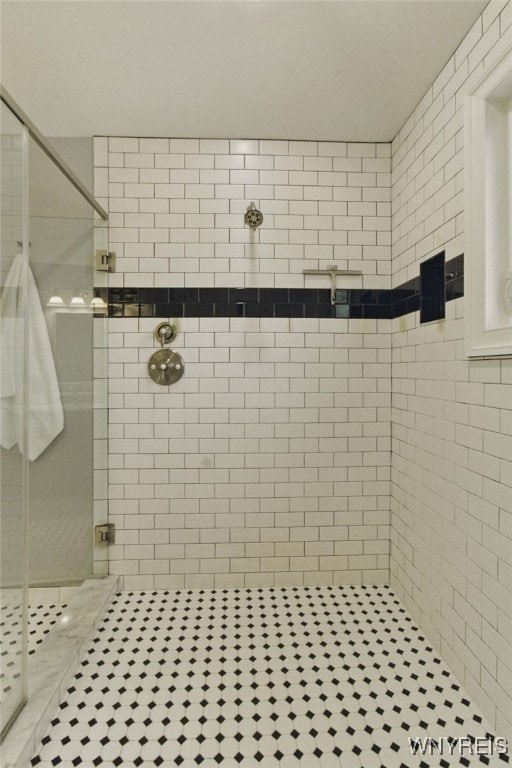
45	412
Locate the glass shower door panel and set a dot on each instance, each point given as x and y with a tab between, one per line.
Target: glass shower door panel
61	487
13	271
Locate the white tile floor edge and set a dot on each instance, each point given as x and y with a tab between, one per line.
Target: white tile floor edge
51	668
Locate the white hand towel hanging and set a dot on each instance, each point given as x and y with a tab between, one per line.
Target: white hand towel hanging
44	410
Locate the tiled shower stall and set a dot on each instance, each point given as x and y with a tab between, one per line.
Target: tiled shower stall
268	462
311	444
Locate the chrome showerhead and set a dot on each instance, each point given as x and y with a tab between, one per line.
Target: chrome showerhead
253	218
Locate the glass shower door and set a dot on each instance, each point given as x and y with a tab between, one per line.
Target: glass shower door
63	236
13	463
53	409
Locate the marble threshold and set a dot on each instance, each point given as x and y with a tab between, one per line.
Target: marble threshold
54	664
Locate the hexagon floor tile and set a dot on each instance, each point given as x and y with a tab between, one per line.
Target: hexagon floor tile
318	677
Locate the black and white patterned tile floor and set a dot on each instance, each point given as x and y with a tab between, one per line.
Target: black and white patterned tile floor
324	677
41	620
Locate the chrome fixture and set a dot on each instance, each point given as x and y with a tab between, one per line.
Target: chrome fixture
105	261
253	218
166	367
165	333
333	272
105	534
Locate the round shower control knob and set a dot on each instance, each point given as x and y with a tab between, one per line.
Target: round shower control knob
166	367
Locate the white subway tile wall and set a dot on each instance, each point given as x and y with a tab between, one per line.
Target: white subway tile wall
452	419
177	210
268	463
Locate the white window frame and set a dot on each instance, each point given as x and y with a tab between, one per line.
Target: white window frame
488	215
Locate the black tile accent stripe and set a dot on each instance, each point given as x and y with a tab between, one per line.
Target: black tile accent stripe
278	302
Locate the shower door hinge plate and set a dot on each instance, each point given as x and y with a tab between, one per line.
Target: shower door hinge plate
105	261
105	534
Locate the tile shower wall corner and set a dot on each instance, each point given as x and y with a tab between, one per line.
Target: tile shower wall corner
268	462
452	418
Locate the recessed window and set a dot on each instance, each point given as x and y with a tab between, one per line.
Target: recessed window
488	215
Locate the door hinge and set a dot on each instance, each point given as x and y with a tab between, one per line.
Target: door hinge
105	534
105	261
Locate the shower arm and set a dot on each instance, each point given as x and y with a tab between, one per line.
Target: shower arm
333	273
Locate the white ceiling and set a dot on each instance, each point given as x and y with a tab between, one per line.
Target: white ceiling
297	69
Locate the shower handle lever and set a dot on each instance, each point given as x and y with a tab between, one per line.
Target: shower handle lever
164	366
165	333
